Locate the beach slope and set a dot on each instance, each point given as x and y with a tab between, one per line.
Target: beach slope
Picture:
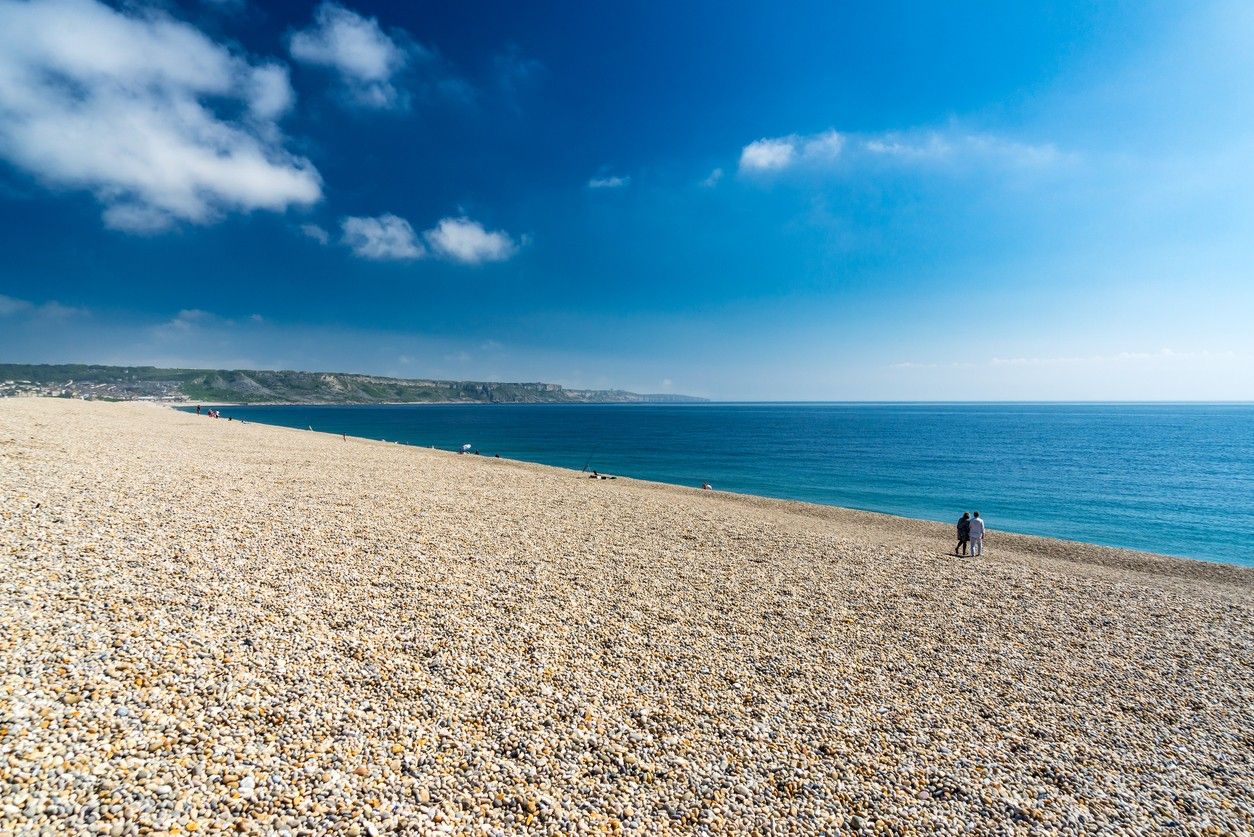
210	625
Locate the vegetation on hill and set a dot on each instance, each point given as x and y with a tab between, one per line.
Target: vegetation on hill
240	386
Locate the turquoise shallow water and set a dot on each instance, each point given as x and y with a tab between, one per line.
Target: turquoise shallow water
1171	478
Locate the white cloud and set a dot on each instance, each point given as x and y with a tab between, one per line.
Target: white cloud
10	305
270	91
605	182
916	147
774	154
712	180
184	321
316	232
930	146
57	311
49	310
192	324
366	58
769	154
936	146
1164	355
384	238
133	107
466	241
1119	357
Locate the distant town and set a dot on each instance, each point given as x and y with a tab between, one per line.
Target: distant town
88	390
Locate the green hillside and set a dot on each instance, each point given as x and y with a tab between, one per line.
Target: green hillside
252	386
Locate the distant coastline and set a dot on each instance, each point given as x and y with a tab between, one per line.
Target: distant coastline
291	388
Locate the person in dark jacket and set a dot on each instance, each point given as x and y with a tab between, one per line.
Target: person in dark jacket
964	533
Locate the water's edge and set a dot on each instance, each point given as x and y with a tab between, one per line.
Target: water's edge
563	457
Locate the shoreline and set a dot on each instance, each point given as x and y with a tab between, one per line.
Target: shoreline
211	627
180	404
1058	547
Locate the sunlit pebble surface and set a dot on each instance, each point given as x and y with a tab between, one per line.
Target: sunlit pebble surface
210	625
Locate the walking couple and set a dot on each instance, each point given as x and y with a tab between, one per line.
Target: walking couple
970	530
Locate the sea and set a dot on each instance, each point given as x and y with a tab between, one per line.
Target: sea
1176	479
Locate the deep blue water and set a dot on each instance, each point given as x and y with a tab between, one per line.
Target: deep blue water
1171	478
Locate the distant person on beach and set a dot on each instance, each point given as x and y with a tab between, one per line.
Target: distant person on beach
977	535
197	409
964	533
705	486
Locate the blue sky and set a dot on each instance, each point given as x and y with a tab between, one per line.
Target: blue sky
744	201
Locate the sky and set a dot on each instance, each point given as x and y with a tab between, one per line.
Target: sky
744	201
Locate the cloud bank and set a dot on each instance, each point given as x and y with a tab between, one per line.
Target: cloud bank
155	119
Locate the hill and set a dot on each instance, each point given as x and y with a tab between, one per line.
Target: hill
260	386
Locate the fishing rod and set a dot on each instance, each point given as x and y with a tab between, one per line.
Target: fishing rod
595	448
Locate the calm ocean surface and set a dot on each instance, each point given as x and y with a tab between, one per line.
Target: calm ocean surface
1170	478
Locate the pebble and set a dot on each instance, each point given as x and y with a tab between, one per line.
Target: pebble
238	628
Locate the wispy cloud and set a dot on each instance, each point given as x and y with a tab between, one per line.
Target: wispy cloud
10	305
515	72
923	146
712	179
914	147
195	323
609	182
778	153
383	238
356	47
463	240
184	321
316	232
466	241
1162	355
768	154
158	121
377	69
51	310
1119	357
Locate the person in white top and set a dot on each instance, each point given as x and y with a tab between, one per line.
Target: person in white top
977	535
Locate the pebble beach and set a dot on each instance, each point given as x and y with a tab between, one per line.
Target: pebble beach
212	626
